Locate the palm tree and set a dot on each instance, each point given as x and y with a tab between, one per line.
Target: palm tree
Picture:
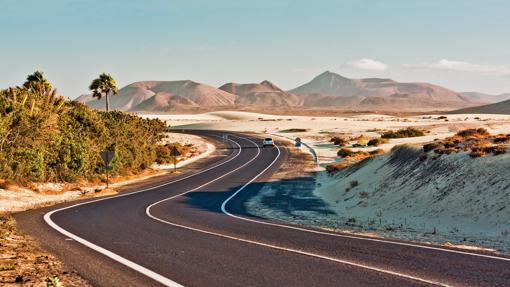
38	83
103	86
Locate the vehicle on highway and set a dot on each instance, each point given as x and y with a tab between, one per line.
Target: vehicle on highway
267	142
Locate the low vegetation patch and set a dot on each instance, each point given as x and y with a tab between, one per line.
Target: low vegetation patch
403	133
377	141
478	142
350	157
334	167
350	154
294	130
339	141
163	152
376	152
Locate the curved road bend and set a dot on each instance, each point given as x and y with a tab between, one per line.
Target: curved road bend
195	232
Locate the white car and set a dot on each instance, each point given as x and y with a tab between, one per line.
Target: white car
267	142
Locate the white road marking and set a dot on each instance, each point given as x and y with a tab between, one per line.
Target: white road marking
151	274
168	282
224	210
147	211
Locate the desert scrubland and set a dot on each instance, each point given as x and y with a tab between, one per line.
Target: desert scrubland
451	198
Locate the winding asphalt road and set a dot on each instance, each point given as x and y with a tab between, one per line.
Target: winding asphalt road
192	230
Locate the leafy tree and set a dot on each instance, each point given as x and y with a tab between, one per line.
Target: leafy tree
37	82
103	86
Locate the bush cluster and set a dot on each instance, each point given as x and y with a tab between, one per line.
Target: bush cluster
478	142
403	133
339	141
377	141
480	132
163	152
43	137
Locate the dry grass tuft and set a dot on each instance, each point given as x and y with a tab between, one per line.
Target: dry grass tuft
403	133
339	141
478	142
377	141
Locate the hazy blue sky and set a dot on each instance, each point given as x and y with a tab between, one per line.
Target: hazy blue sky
463	44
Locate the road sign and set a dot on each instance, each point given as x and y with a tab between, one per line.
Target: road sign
107	156
174	152
298	142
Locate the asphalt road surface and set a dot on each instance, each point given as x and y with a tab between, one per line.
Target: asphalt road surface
191	229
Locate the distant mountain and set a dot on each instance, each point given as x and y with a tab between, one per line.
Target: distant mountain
163	96
327	90
263	94
382	94
486	98
497	108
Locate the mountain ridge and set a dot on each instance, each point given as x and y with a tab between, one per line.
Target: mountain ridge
327	90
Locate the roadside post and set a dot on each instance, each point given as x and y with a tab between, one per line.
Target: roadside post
298	142
107	156
174	153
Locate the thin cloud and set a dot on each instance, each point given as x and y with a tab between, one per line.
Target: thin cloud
461	66
367	64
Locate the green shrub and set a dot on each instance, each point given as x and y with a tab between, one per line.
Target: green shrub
430	146
474	132
377	142
345	152
499	149
477	153
43	137
403	133
376	152
339	141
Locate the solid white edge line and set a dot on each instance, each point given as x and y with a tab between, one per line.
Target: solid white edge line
223	209
389	272
149	273
153	275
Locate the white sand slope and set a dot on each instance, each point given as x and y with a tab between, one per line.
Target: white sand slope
461	197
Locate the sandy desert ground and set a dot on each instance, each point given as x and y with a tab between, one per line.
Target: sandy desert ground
320	129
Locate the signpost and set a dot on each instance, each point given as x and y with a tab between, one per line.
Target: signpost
298	142
174	153
107	156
